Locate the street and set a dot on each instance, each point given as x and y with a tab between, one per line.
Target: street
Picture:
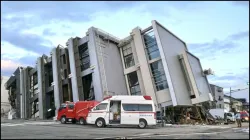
54	130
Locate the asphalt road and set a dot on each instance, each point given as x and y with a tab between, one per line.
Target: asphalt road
54	130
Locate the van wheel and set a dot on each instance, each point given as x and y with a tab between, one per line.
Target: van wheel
142	123
63	120
82	121
100	123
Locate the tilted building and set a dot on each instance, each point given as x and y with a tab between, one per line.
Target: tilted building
151	62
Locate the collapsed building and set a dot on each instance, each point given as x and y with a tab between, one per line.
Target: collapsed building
152	61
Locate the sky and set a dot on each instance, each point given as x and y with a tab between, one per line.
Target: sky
216	32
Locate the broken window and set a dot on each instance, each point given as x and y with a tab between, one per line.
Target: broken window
159	75
151	45
134	83
128	56
84	56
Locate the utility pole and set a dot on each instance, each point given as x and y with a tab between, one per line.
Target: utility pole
231	91
230	100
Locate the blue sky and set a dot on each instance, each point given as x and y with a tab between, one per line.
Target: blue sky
216	32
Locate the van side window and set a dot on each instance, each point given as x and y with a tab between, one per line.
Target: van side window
101	106
229	114
71	106
145	107
130	107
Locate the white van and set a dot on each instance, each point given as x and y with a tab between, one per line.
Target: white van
123	110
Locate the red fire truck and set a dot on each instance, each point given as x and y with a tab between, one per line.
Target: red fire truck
73	112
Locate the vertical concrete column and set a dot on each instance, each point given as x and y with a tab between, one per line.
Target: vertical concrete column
21	94
73	70
27	93
93	56
41	88
144	67
56	80
164	63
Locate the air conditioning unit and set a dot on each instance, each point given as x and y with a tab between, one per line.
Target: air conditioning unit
208	72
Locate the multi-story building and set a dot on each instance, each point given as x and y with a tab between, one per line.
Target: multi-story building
245	104
151	62
232	104
218	97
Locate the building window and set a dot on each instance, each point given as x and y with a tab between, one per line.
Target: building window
65	74
35	79
151	45
128	56
220	106
134	84
84	56
159	75
64	59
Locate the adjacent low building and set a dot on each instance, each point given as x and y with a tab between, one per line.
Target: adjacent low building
232	104
218	97
151	61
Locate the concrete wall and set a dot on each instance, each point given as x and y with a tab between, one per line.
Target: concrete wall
170	47
41	88
5	105
113	67
96	75
56	79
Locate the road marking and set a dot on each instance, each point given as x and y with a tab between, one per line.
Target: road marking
28	123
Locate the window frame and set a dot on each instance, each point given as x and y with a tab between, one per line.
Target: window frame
150	42
129	53
84	58
157	73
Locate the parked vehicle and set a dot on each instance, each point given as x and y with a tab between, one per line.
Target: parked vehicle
73	112
222	114
244	116
123	110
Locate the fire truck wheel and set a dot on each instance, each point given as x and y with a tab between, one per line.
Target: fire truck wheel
100	122
82	121
63	119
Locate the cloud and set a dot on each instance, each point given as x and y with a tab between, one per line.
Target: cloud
9	51
31	42
240	35
9	66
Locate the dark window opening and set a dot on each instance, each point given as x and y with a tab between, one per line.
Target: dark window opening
88	89
134	83
159	75
128	56
35	78
65	74
84	56
50	72
65	93
64	59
